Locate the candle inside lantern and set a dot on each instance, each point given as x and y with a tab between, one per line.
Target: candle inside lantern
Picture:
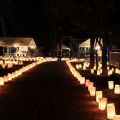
90	84
82	81
1	81
92	91
92	71
102	103
86	83
98	72
110	111
98	95
111	85
6	78
117	89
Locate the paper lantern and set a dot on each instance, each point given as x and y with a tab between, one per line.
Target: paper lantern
98	95
90	84
5	78
111	85
116	70
86	83
3	65
94	68
110	111
9	65
92	91
84	67
98	72
92	71
117	89
1	81
82	81
9	76
117	117
102	103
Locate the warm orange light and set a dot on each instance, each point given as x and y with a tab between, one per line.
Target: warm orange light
90	84
86	83
3	65
82	81
117	117
98	72
102	103
92	71
5	78
99	95
9	65
9	76
92	91
117	89
111	85
1	81
110	111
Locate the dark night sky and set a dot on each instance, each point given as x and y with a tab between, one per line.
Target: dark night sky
46	20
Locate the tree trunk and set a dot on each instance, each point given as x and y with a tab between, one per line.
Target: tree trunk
92	52
104	55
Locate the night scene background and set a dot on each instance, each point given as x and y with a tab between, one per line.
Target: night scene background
59	84
49	20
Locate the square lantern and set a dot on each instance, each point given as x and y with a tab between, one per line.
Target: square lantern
99	95
92	71
111	85
87	82
92	91
1	81
82	81
102	103
110	111
90	84
117	89
6	78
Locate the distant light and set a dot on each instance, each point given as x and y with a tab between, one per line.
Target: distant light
32	47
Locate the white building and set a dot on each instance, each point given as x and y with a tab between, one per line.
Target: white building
17	46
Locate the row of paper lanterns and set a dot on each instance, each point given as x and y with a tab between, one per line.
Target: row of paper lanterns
17	73
102	101
22	58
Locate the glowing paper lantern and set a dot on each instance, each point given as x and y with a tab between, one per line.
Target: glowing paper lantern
9	65
92	71
117	117
102	103
98	72
3	65
5	78
84	67
111	85
90	84
108	68
9	76
117	89
92	91
110	111
82	81
116	70
86	83
98	95
94	68
1	81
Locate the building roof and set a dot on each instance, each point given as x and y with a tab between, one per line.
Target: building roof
17	41
85	43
